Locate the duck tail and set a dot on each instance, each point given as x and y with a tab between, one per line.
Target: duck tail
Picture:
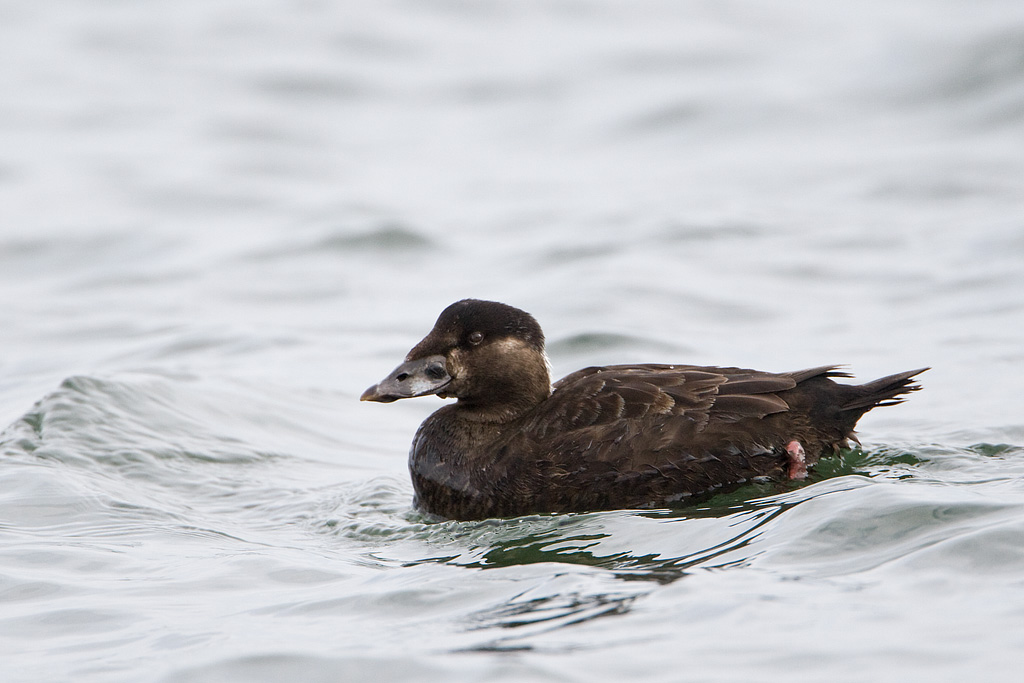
887	391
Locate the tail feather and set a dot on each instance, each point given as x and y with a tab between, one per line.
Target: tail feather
887	391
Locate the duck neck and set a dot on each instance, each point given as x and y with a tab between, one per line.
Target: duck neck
510	396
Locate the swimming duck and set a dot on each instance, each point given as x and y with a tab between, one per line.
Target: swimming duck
601	438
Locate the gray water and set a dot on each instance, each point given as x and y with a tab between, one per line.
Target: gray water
221	221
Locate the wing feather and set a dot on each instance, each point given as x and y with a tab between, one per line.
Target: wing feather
602	407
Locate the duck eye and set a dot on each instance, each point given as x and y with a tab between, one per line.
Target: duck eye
476	337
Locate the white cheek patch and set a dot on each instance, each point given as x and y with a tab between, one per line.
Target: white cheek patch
512	344
511	347
456	366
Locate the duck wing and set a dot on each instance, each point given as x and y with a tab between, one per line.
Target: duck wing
639	435
607	395
631	418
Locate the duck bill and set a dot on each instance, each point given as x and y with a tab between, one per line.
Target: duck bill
420	377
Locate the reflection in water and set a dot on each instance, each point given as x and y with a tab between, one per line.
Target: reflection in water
720	538
543	610
600	578
718	534
736	519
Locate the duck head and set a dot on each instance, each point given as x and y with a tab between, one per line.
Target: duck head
488	355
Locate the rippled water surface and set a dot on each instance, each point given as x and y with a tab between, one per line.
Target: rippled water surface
220	222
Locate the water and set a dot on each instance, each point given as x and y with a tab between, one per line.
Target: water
220	222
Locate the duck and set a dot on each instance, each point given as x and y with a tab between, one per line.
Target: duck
613	437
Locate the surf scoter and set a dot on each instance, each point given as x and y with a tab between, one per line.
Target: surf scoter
621	436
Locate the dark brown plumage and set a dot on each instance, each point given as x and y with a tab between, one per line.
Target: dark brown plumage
622	436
